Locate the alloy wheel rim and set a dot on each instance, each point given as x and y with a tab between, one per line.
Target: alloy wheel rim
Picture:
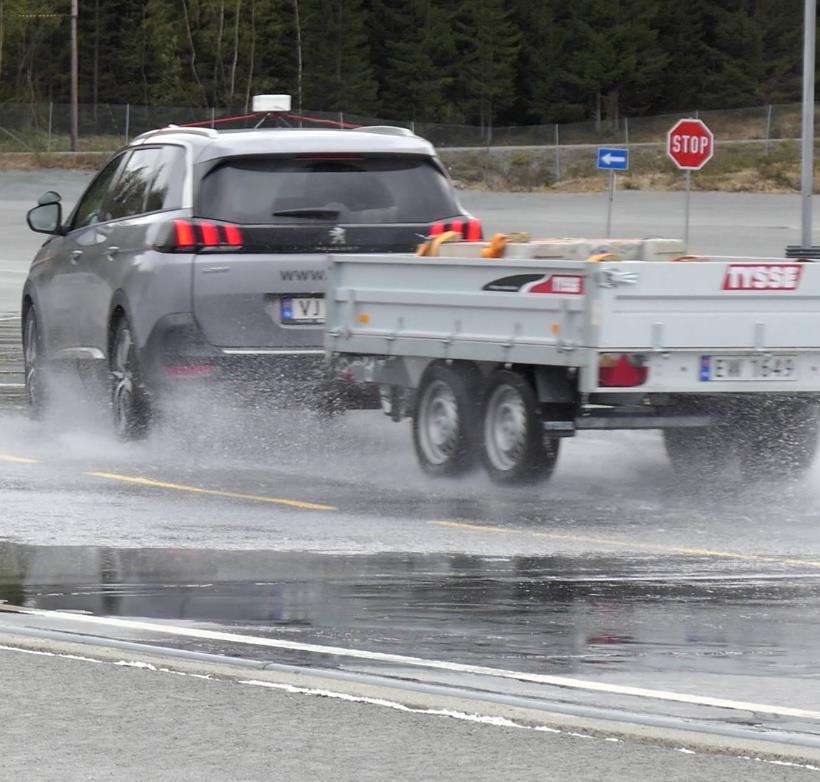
31	357
122	377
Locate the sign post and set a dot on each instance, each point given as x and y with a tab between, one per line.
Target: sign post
691	146
807	156
612	160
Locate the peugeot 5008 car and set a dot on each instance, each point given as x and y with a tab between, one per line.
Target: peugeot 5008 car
199	256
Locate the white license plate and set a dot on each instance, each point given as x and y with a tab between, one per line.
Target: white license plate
306	309
771	366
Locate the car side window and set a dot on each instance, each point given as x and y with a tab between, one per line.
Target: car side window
90	207
126	197
165	188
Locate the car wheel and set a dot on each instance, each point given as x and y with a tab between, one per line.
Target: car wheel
444	420
514	447
129	399
34	360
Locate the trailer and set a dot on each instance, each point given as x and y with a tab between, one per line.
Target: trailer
496	360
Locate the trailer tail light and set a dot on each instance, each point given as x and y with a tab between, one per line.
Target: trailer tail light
622	370
185	236
470	229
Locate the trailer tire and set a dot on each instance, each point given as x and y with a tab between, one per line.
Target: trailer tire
779	440
698	453
445	418
514	449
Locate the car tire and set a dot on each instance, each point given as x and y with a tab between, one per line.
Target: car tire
445	420
514	448
130	402
34	366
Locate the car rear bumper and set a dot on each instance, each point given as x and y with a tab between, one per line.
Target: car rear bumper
177	356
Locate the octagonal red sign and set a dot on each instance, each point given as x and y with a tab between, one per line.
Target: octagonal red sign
690	144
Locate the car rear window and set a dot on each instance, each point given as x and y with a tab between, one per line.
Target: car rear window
371	189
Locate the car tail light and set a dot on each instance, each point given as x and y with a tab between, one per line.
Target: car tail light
622	370
184	235
474	232
210	235
189	236
469	229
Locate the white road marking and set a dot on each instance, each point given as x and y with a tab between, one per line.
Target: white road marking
418	662
484	719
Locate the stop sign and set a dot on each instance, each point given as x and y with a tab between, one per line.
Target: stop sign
690	144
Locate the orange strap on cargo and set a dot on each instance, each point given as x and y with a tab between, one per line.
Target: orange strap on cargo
496	247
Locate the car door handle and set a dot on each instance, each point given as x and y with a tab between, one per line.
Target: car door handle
76	255
111	252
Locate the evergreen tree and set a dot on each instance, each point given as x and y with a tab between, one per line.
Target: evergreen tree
478	61
419	62
338	74
782	40
488	42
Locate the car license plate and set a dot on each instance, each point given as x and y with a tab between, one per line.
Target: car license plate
771	366
306	309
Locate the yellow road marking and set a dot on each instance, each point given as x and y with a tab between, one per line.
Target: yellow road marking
5	457
211	492
626	544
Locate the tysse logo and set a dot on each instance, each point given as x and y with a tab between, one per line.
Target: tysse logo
762	277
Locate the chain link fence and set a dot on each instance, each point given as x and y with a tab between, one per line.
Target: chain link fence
44	127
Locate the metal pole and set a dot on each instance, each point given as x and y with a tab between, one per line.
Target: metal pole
626	131
686	212
213	116
557	155
807	168
75	109
127	122
611	200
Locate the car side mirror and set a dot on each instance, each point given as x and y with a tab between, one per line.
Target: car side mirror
49	197
46	218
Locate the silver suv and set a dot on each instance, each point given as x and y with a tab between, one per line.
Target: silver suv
198	256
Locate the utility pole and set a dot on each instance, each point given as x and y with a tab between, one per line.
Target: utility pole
75	109
807	169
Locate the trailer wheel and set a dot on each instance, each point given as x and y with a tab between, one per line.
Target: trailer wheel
514	447
698	453
779	440
444	420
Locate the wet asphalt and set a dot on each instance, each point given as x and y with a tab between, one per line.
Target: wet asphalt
285	526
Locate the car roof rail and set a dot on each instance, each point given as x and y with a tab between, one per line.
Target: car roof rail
207	132
387	130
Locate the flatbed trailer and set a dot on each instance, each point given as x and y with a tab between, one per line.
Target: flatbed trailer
499	359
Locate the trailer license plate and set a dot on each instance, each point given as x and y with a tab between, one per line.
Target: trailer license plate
306	309
772	366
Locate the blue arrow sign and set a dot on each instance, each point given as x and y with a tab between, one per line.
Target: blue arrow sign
613	159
